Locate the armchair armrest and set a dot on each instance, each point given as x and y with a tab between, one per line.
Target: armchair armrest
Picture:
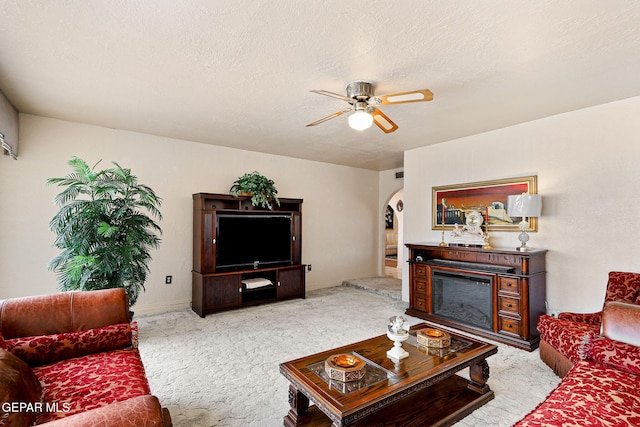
587	318
572	339
141	411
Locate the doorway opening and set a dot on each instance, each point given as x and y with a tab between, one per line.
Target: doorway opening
393	225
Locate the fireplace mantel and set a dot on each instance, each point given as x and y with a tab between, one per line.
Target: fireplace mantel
516	282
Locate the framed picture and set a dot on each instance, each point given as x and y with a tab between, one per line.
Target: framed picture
487	197
388	217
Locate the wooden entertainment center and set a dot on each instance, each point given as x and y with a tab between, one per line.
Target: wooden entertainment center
216	289
514	288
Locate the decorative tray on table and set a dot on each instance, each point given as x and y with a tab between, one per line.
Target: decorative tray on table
354	365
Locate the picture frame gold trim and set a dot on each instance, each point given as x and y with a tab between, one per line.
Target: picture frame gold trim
462	198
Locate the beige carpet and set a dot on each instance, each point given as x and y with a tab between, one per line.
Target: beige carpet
223	370
384	285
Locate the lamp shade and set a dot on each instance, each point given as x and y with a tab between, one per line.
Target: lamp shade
524	205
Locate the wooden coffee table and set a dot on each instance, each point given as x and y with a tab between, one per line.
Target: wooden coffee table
421	389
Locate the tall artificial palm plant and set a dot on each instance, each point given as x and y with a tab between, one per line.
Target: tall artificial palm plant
103	229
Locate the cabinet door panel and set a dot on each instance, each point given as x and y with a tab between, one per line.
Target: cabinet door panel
222	292
291	283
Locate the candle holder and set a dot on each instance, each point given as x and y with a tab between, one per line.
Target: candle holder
443	243
442	220
487	245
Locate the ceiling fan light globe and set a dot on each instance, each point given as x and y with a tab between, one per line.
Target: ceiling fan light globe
360	120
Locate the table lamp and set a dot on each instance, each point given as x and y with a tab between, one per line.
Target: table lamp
524	205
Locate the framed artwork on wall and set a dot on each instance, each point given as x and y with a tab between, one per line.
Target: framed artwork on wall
453	202
388	217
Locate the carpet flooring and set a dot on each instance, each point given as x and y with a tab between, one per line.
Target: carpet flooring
387	286
223	370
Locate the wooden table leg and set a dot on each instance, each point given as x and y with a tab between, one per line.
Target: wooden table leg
479	374
299	403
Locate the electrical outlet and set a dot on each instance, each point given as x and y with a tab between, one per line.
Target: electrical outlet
308	267
553	313
168	280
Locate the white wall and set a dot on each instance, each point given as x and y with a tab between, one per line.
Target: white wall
340	209
588	168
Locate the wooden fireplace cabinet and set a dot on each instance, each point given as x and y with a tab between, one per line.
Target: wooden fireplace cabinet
213	290
517	283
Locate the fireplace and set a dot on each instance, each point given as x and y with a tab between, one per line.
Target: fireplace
463	297
493	293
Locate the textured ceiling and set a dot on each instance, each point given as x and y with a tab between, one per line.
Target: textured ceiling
238	73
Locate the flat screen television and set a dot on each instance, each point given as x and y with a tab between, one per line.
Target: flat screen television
251	241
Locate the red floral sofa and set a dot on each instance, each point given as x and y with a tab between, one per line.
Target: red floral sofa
71	359
565	340
602	388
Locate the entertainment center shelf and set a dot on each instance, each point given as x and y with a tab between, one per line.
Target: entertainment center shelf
495	293
234	242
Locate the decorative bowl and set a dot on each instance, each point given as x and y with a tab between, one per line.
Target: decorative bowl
431	337
345	367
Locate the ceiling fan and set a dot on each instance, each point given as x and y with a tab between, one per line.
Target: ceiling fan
360	96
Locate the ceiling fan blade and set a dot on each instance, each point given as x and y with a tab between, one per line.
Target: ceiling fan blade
333	95
329	117
383	122
420	95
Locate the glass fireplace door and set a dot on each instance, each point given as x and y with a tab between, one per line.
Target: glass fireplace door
463	297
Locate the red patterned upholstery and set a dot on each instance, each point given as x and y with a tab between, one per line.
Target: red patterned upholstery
601	376
586	318
89	368
590	395
571	333
572	339
43	349
73	381
616	354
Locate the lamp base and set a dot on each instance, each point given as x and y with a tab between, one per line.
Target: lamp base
523	236
524	249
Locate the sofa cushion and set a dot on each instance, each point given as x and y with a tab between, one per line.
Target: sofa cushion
91	381
590	395
571	339
616	354
43	349
18	385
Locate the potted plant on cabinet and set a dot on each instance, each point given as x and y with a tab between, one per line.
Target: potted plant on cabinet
261	189
103	230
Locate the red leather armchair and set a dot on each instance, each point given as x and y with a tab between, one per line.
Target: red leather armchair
72	360
568	339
